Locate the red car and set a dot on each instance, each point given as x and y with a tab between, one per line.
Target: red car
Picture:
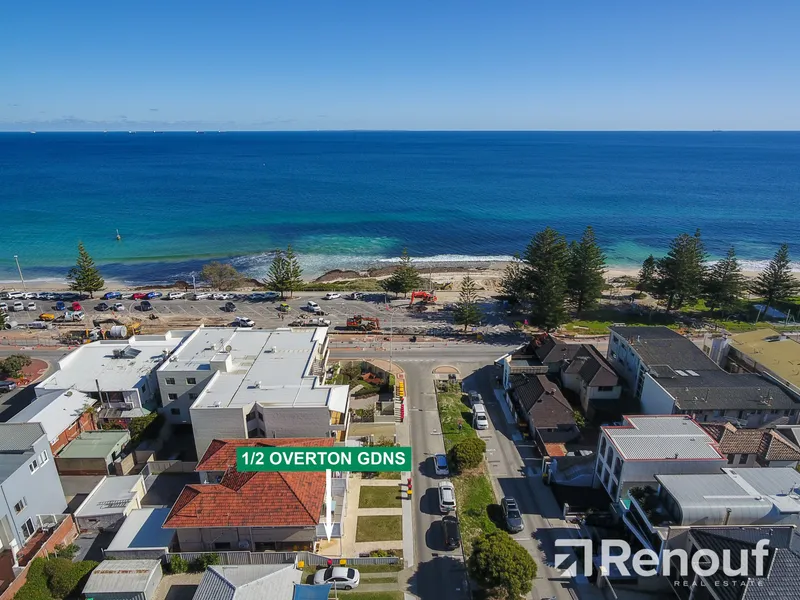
139	296
76	306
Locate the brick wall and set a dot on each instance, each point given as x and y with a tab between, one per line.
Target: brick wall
85	423
65	534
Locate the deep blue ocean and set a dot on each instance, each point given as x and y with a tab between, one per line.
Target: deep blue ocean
350	199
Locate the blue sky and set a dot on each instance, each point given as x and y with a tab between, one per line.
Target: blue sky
320	64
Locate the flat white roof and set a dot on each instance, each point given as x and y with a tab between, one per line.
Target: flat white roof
111	496
142	530
662	437
273	368
55	410
95	364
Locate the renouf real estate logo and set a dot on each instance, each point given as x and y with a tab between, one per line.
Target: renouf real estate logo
617	555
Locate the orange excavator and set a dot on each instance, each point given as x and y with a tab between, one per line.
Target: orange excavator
426	297
363	323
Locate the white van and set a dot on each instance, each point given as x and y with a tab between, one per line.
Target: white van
479	418
447	497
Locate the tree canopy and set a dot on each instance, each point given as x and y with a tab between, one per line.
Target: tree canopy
84	276
513	284
467	311
285	273
500	563
221	276
546	267
13	364
647	275
680	275
405	278
586	274
725	284
776	282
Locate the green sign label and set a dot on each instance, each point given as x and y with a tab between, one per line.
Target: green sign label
320	459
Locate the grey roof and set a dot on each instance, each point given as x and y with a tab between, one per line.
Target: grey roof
248	582
662	437
115	576
592	367
142	530
662	346
55	410
546	349
542	400
19	437
112	496
781	582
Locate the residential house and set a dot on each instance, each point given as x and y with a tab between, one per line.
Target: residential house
141	535
93	452
539	403
774	355
643	447
543	354
124	580
110	503
253	383
246	582
592	378
754	447
669	374
666	510
120	374
231	510
63	414
29	485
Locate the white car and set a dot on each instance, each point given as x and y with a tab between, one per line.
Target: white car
13	295
332	296
447	497
118	306
243	322
18	306
176	295
312	306
202	296
440	465
4	306
29	295
223	296
31	306
340	578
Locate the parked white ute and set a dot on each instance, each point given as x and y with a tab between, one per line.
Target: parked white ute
332	296
176	295
243	322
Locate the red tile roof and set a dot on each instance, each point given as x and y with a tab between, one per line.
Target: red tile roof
262	499
766	443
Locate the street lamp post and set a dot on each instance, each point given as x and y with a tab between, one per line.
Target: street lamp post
21	278
194	284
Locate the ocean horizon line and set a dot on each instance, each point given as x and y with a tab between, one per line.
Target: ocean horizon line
27	130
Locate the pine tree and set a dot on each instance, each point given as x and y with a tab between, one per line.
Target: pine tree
546	266
680	275
277	278
585	279
467	311
405	278
726	283
84	276
294	273
776	282
513	284
647	275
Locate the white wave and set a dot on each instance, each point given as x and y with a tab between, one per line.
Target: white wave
452	258
759	265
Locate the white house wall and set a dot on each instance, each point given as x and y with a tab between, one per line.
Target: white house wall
220	423
655	399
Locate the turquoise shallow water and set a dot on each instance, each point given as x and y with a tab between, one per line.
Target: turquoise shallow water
348	199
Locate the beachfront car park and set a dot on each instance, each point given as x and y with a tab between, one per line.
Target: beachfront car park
112	296
332	296
243	322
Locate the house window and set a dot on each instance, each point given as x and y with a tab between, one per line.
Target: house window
20	506
260	417
169	381
191	381
605	388
43	457
192	396
28	529
603	446
172	396
34	466
617	467
175	411
742	459
222	545
731	458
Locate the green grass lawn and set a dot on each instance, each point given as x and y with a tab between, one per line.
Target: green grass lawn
379	579
597	322
379	497
474	494
356	595
379	529
452	410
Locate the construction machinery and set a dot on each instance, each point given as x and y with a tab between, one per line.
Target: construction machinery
363	323
425	297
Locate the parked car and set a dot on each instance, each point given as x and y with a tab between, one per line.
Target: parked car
271	296
15	295
112	295
511	515
152	295
452	537
255	297
440	465
312	306
176	295
355	296
340	578
447	497
7	386
102	307
29	295
332	296
139	296
47	317
243	322
284	307
60	306
18	306
118	306
145	305
474	398
32	306
201	296
76	306
4	306
229	307
222	296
